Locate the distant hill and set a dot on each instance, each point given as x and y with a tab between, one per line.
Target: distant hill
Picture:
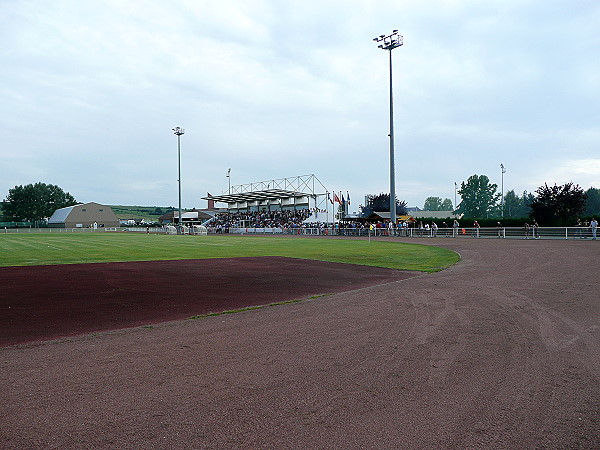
125	212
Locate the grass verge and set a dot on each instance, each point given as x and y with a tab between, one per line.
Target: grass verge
62	248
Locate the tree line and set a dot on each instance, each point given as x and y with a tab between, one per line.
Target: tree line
549	205
557	205
34	202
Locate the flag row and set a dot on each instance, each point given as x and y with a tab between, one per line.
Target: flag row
339	199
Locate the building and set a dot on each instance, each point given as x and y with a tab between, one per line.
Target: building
384	216
193	217
84	215
422	214
282	194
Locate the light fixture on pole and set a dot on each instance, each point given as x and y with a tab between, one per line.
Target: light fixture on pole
228	175
502	188
389	43
179	131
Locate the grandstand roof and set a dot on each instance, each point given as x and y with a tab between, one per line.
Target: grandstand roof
268	194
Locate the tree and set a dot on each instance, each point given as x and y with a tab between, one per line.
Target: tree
446	205
558	205
437	204
35	201
515	206
592	204
381	203
479	197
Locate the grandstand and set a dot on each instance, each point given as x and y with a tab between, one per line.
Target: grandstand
287	196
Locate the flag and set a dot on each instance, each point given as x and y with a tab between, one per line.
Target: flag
348	197
343	201
329	198
336	198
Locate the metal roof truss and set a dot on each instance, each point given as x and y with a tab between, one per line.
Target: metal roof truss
268	194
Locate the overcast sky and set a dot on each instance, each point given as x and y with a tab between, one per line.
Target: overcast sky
90	91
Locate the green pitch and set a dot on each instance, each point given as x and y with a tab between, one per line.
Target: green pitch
45	248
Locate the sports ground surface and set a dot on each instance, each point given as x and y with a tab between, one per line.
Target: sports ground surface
53	301
501	350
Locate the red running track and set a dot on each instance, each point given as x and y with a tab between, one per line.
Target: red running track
47	302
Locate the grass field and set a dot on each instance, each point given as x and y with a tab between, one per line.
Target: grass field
151	213
38	249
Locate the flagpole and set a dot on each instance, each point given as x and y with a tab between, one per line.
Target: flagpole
326	208
333	210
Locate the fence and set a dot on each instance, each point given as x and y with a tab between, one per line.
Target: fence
486	233
498	233
75	230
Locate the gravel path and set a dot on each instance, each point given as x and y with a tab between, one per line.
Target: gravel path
500	351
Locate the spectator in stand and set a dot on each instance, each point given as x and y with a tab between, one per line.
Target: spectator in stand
262	219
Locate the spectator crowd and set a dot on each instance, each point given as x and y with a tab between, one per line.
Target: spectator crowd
260	219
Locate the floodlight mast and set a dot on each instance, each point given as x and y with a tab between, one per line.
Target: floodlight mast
389	43
455	205
503	169
179	131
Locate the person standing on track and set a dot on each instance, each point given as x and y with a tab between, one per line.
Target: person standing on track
534	230
476	227
594	226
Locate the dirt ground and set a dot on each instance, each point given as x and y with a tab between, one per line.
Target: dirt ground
46	302
501	350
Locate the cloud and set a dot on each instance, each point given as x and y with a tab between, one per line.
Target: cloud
585	172
273	89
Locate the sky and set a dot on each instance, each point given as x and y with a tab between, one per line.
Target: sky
91	90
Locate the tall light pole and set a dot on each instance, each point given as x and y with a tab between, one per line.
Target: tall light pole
229	180
503	169
455	205
179	131
389	43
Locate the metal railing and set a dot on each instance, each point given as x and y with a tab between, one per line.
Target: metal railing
574	233
78	230
494	232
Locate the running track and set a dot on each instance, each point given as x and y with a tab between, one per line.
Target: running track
500	351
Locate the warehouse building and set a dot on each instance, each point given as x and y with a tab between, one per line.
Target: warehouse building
84	215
